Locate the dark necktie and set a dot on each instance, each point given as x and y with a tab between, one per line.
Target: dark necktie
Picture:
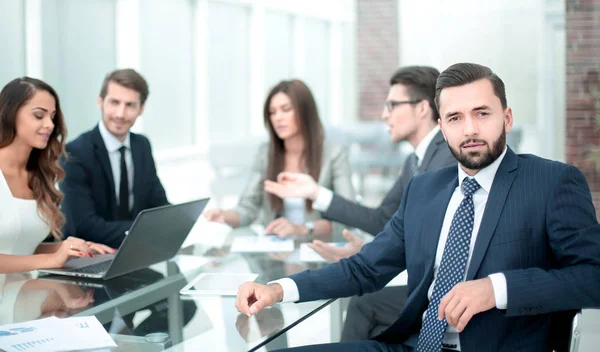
124	213
452	268
411	165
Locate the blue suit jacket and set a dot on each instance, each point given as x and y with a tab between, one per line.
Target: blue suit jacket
90	203
539	228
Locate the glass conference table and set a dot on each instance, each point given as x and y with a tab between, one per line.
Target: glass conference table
143	311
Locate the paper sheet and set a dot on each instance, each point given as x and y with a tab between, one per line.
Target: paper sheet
261	244
55	335
207	233
309	255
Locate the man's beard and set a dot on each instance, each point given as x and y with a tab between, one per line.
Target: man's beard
480	160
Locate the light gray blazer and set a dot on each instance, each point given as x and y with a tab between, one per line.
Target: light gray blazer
335	175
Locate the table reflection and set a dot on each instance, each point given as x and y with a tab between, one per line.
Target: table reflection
24	297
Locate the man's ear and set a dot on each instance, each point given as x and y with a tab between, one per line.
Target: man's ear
508	119
424	109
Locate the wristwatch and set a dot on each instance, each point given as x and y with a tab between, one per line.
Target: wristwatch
310	226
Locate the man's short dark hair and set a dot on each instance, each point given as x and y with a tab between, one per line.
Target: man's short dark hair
127	78
420	84
465	73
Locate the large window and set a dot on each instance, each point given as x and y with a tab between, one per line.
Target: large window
279	49
78	50
228	72
166	55
317	68
209	64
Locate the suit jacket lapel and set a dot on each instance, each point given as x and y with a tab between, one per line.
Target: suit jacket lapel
137	156
102	157
493	208
435	218
437	142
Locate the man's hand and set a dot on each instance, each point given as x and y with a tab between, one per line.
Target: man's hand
282	227
334	254
465	300
253	297
290	184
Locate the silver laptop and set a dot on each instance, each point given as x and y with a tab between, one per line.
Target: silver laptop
155	236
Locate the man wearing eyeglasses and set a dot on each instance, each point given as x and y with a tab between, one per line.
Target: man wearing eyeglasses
411	115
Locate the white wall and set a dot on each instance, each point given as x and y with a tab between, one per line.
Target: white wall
503	35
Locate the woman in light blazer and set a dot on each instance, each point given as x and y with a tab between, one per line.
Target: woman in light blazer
296	144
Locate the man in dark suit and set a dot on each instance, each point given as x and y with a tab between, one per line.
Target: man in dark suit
110	171
496	251
411	115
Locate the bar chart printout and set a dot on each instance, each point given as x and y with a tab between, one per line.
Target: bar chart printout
54	335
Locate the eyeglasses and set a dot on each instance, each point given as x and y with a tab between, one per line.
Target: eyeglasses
391	104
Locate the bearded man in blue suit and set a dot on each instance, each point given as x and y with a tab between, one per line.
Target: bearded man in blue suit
499	251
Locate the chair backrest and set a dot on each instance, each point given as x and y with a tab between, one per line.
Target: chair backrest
575	334
232	163
369	144
370	148
233	155
585	336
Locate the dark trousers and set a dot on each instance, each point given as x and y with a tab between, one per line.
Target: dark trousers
370	314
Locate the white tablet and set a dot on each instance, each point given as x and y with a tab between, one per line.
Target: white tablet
217	284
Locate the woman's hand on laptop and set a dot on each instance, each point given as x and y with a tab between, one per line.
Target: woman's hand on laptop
72	247
100	248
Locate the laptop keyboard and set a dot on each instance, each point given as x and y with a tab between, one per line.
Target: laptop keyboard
98	268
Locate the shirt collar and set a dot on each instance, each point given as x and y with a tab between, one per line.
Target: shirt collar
485	176
421	149
111	142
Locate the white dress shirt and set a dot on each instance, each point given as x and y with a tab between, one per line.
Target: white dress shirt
485	178
113	144
324	196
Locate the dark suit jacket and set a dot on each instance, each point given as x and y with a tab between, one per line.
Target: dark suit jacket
90	203
373	220
539	229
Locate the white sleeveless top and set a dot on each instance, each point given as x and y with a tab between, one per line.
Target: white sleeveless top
21	227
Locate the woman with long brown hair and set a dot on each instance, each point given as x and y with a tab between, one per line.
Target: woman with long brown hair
296	144
32	138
